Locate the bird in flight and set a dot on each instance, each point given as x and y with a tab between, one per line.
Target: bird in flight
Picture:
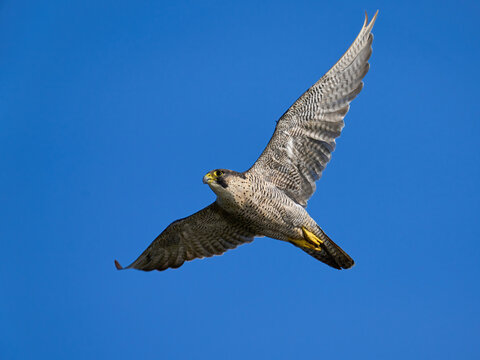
270	198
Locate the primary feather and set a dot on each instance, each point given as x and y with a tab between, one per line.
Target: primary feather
304	137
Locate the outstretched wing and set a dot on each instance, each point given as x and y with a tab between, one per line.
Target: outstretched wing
304	137
211	231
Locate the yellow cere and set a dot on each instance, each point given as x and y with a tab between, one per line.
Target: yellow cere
209	177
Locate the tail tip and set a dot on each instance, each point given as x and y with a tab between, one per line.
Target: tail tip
348	265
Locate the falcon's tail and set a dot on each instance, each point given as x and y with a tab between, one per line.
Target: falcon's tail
328	252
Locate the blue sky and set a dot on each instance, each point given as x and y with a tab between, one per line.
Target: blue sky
111	112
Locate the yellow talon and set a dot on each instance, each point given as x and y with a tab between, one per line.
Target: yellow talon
311	241
312	237
304	244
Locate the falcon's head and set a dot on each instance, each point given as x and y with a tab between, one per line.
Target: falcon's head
220	180
217	177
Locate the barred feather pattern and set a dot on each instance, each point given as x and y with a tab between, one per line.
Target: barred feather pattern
304	137
264	200
211	231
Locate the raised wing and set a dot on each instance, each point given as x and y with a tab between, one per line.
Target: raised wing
211	231
304	137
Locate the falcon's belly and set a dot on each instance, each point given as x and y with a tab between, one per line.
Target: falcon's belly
266	209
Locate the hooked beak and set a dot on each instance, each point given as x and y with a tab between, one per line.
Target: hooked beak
207	179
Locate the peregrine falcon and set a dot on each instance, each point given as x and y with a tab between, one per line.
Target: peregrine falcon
270	198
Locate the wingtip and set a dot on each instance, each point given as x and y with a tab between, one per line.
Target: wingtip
118	266
367	24
372	22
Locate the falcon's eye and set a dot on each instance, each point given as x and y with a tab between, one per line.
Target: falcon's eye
218	173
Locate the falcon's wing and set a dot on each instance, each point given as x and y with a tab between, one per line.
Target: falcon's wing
211	231
304	137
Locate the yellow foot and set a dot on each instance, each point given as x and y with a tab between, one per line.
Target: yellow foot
310	240
312	237
304	244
